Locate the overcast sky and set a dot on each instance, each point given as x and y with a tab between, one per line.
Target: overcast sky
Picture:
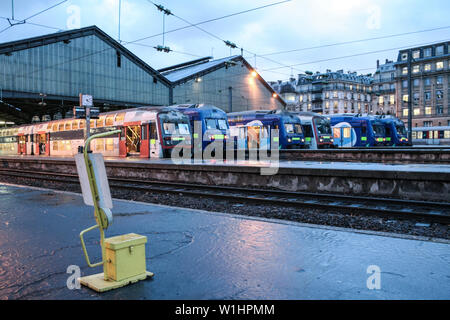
291	25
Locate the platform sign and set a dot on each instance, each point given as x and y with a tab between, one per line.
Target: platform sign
98	165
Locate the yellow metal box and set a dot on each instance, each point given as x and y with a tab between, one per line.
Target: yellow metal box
125	256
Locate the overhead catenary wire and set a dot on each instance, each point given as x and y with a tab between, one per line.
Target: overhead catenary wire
32	16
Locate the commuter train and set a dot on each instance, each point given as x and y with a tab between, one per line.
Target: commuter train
148	132
213	122
431	135
355	130
252	129
396	134
316	129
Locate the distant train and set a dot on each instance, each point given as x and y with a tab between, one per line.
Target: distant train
148	132
355	130
395	131
431	135
252	129
213	121
316	129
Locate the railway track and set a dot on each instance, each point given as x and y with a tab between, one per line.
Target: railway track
406	209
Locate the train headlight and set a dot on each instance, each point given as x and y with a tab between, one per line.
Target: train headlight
332	140
289	140
303	140
321	140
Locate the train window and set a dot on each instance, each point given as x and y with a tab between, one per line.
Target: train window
120	117
346	132
92	123
210	123
414	134
447	134
222	124
74	124
101	122
153	134
99	146
336	132
183	128
109	144
55	145
55	127
49	126
298	128
169	128
61	127
289	127
68	126
109	120
144	132
82	124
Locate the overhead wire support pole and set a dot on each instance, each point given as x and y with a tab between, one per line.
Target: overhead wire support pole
409	97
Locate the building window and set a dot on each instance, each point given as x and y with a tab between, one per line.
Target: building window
404	56
405	84
335	94
439	65
416	82
439	94
380	100
439	80
427	52
416	111
428	123
416	69
427	95
439	109
427	81
439	50
392	99
416	97
405	70
416	54
405	112
428	110
405	98
427	67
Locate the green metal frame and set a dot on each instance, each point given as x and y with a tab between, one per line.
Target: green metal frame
100	216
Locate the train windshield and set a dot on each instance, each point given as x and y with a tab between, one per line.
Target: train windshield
183	128
171	128
223	125
289	127
323	125
298	128
378	129
401	130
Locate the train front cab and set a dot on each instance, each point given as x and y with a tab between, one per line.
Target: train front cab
322	133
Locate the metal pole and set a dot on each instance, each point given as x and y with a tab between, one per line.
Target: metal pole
230	99
12	9
88	127
120	3
409	97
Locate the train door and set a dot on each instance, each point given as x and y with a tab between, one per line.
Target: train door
43	143
155	144
337	136
240	134
122	142
253	136
22	147
264	138
133	140
145	145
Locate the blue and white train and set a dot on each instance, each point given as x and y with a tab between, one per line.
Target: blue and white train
355	130
252	129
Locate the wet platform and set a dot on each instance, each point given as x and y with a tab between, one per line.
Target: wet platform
282	164
203	255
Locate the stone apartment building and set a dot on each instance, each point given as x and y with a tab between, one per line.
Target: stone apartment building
430	73
327	93
383	89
